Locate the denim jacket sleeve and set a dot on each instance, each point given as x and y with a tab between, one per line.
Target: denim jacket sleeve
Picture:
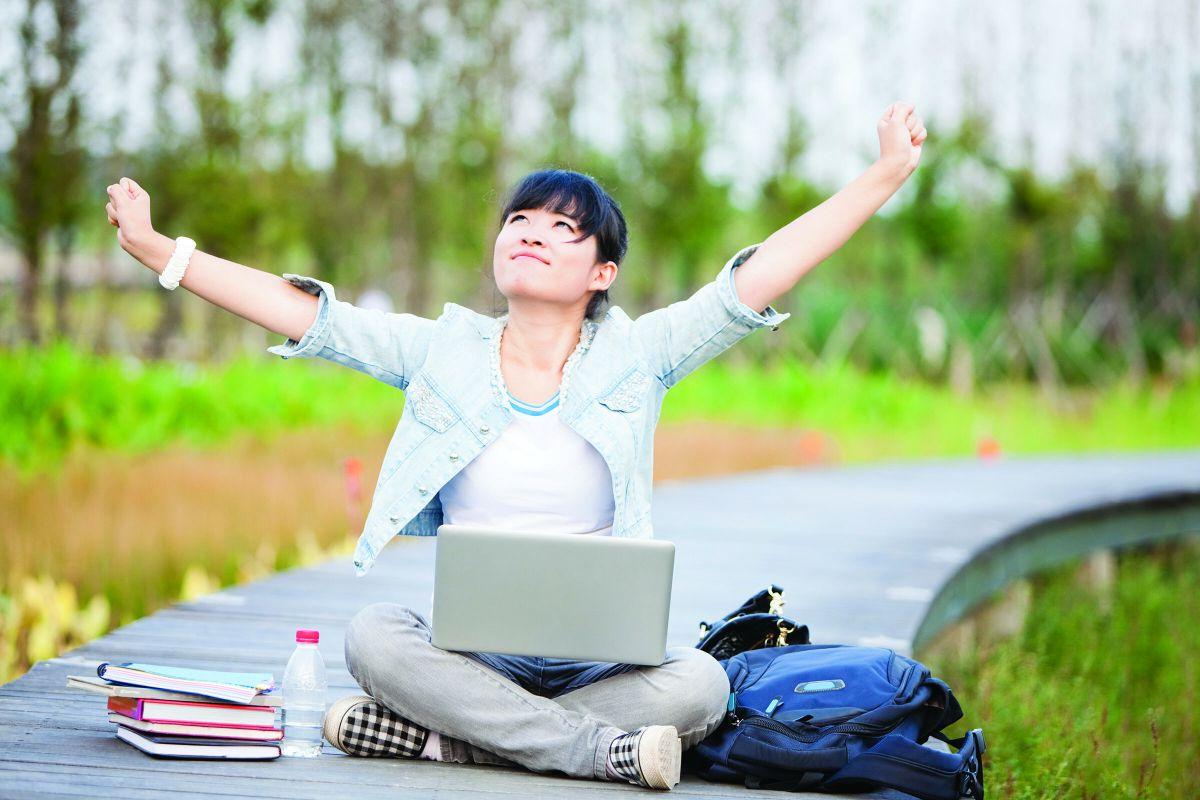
389	347
684	335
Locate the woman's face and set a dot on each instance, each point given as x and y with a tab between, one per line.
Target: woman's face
535	259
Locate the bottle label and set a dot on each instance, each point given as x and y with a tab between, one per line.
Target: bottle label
306	682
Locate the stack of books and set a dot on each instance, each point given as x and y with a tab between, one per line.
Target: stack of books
176	712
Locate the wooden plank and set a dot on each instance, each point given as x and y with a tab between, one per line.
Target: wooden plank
332	769
100	749
100	780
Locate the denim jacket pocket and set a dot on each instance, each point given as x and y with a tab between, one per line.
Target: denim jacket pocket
428	407
629	393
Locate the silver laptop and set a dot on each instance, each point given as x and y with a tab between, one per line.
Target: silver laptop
592	598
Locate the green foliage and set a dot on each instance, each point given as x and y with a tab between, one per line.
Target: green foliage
55	399
881	415
1089	702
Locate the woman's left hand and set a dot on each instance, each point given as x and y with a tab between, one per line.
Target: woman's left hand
901	133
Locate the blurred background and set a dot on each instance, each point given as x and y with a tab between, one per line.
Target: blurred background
1033	287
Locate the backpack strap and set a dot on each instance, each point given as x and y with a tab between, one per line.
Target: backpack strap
902	764
957	744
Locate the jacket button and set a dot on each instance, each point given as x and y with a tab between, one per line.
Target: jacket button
422	490
454	456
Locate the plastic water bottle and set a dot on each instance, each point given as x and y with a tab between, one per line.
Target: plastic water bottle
304	686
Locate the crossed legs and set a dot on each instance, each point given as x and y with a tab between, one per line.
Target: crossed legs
485	718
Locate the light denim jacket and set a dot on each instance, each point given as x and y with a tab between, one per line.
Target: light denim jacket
611	394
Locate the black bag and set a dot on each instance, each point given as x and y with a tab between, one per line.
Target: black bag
756	623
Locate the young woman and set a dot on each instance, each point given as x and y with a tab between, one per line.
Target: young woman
541	419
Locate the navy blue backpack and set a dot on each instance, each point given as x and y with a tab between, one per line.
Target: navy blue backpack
828	717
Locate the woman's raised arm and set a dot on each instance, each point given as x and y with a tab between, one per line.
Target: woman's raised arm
790	252
260	297
389	347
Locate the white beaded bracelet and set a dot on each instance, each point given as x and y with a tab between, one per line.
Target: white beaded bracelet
172	274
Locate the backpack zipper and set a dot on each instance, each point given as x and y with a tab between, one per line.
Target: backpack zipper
760	721
778	727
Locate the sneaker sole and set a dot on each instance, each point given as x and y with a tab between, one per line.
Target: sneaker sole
336	715
383	734
659	756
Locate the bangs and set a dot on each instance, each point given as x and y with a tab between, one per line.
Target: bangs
570	193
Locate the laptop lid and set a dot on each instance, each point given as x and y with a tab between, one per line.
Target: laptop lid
592	598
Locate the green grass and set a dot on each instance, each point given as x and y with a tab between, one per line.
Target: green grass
55	399
1093	703
873	416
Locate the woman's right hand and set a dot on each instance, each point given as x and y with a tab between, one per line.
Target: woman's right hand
129	212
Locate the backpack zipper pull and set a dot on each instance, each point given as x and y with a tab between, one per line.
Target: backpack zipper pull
774	704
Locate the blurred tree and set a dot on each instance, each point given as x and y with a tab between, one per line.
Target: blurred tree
43	173
201	176
786	193
680	211
340	211
406	187
569	31
480	160
69	204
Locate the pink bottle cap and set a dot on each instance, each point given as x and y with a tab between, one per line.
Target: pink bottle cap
308	636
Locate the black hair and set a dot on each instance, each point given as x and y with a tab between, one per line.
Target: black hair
564	191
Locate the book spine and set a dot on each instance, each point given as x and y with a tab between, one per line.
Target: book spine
151	711
240	709
191	729
243	726
128	706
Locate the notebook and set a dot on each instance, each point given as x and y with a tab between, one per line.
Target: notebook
190	747
237	687
189	729
92	683
194	713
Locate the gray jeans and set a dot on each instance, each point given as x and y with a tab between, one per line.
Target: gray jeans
483	706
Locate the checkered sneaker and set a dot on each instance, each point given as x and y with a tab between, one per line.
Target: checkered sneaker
649	756
360	726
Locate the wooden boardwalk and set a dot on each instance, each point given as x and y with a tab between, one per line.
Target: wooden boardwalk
866	555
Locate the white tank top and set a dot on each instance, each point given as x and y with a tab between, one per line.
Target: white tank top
539	476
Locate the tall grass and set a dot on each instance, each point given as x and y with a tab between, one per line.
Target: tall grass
1096	698
128	526
871	416
55	401
58	399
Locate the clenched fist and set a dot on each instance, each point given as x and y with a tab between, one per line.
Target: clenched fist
901	133
129	212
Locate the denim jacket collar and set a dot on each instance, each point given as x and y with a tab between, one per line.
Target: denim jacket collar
494	334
